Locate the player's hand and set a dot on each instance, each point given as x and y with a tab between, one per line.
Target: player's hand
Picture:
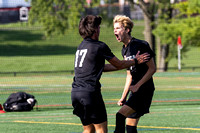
121	102
142	58
134	88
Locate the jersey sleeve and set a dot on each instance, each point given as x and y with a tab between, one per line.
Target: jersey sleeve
107	53
146	49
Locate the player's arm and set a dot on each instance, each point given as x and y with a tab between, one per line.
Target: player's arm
109	67
126	88
151	70
116	64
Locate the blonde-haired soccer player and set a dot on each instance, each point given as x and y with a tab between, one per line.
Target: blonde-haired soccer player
139	79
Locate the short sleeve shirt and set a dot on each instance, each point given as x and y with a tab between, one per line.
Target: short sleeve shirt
130	52
89	64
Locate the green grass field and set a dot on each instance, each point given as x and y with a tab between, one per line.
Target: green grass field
175	106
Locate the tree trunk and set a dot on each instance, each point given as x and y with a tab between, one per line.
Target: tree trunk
148	7
162	55
163	49
149	37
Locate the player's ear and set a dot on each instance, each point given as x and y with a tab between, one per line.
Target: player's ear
127	30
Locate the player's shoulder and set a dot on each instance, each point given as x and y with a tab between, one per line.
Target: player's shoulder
102	44
94	41
140	42
88	42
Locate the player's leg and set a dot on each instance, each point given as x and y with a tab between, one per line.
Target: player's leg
89	129
121	115
131	125
100	117
101	127
98	113
79	102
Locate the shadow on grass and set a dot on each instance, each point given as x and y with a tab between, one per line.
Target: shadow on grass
16	50
52	109
11	49
17	35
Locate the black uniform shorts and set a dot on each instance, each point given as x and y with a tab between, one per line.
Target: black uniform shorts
89	106
140	102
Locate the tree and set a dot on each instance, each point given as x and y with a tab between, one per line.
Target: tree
149	8
185	24
164	13
56	16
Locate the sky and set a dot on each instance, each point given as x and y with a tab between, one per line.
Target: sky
14	3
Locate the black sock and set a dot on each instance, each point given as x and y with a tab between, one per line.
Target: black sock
120	123
131	129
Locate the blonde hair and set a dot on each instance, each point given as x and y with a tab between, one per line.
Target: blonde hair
124	21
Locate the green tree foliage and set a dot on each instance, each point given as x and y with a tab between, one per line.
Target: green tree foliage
186	25
56	16
188	8
188	29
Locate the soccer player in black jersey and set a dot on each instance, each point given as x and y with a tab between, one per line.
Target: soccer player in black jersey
89	64
139	79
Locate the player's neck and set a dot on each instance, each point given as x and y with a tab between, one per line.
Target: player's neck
127	40
95	36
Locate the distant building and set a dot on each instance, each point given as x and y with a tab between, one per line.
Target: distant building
10	10
137	13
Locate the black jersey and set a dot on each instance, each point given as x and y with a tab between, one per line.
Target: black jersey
89	64
130	52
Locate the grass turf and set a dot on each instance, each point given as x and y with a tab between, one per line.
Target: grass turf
175	106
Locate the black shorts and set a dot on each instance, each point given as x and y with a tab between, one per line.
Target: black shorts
89	106
140	102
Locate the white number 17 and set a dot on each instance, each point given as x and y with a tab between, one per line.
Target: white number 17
80	54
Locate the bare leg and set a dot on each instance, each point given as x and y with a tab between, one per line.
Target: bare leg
121	115
126	110
132	122
101	128
89	129
131	125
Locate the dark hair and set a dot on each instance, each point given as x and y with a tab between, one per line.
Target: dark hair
88	25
